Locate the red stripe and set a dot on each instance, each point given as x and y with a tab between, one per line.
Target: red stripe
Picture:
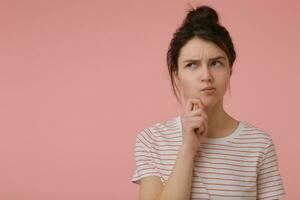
174	135
246	134
250	138
252	129
143	144
231	150
139	166
223	179
203	167
167	145
210	184
225	164
198	160
268	162
195	175
165	131
268	167
154	173
260	174
279	184
230	146
276	195
229	154
260	193
219	195
273	155
149	135
222	154
146	141
253	190
248	142
225	174
260	183
260	179
141	151
142	170
142	160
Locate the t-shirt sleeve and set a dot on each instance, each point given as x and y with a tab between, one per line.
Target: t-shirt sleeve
269	182
144	162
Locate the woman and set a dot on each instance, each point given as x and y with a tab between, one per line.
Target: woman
204	153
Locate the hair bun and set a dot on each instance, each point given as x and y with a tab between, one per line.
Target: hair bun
202	15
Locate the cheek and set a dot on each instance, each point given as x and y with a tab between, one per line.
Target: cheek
188	85
223	84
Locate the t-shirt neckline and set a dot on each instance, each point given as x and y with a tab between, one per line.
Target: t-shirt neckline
220	139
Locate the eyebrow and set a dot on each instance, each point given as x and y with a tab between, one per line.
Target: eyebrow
196	60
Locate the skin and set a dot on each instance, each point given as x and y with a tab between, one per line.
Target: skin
195	75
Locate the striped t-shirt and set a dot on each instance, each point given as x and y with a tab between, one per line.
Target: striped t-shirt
242	165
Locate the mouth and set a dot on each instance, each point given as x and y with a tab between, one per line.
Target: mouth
208	88
209	91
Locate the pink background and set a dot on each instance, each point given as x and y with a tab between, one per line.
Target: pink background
79	79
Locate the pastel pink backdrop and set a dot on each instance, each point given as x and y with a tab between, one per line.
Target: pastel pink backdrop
79	79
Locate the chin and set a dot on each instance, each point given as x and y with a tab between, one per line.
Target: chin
209	101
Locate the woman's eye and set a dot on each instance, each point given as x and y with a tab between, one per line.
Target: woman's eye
190	64
216	62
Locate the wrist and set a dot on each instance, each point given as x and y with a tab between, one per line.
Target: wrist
188	150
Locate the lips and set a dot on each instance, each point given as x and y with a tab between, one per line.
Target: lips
208	88
209	91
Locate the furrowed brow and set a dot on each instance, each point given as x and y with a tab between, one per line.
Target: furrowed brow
197	60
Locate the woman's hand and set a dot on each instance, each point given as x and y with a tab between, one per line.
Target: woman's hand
194	124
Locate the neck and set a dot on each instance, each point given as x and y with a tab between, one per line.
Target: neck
217	120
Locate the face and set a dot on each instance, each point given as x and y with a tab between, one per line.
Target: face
203	64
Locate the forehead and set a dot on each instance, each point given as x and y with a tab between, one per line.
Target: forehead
197	48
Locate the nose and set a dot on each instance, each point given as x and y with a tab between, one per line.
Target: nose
205	74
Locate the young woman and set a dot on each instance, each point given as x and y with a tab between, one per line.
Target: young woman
204	153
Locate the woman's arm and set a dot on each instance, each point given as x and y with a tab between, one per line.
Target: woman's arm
178	187
194	123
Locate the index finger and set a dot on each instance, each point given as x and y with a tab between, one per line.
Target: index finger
190	104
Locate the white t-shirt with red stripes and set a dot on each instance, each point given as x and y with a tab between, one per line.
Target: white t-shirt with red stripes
241	166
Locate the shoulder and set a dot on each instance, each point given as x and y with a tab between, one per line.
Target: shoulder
164	128
252	131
